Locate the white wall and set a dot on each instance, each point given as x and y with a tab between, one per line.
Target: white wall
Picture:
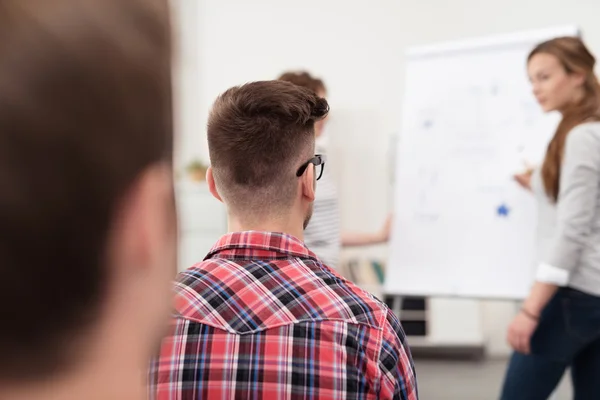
357	48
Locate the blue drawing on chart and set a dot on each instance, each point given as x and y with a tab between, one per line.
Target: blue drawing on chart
503	210
428	123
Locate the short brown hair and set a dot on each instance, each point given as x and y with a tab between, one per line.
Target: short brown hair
575	58
258	135
304	79
85	108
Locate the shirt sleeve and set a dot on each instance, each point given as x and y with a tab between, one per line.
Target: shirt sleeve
576	206
398	377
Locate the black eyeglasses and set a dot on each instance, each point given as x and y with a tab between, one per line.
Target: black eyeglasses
318	161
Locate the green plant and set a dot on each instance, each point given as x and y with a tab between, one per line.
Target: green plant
196	165
197	170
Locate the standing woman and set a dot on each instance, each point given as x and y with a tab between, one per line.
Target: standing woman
559	323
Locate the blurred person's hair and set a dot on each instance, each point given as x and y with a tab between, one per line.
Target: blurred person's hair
304	79
85	107
575	58
259	134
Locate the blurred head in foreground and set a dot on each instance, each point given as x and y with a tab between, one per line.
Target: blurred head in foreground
87	216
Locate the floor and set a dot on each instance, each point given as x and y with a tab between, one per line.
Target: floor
467	380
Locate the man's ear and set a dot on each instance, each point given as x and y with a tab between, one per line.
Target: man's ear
309	183
210	180
146	220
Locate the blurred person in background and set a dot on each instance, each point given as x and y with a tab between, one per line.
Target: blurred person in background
558	326
87	217
324	235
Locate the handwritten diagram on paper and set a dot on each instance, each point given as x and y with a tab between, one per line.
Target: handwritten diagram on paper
478	135
469	124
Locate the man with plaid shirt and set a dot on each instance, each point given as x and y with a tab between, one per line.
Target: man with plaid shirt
261	317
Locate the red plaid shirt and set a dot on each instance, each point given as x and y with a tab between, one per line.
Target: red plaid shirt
262	318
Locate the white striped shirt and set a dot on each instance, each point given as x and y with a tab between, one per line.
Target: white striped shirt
323	234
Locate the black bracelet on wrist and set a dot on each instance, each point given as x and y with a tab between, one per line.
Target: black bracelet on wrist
530	315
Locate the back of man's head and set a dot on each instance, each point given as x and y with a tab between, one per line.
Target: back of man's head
85	110
258	136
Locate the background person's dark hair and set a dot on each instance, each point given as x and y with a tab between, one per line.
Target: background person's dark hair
304	79
85	107
258	136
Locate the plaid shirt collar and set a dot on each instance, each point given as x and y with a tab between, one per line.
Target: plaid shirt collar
259	245
263	318
242	258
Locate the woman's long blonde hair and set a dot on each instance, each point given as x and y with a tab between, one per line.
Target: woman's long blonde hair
575	58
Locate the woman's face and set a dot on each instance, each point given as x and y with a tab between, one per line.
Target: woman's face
553	87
